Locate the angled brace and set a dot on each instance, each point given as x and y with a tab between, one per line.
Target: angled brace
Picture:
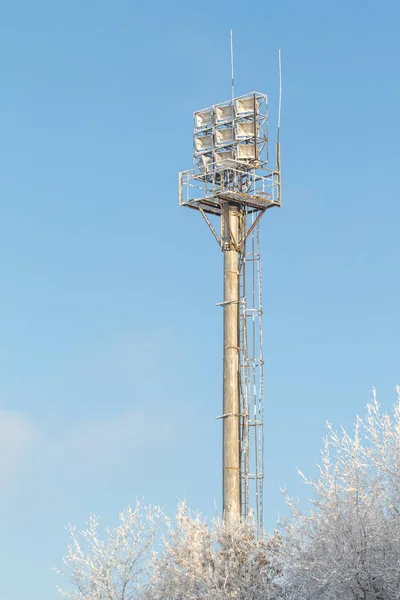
207	220
251	229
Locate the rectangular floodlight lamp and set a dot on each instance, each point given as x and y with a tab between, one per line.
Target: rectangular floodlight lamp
245	130
224	158
247	152
203	162
223	113
224	137
203	119
203	143
245	106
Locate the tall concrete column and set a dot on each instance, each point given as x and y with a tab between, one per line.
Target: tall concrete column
231	397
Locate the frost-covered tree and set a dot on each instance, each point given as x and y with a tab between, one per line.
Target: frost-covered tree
347	545
113	569
213	561
191	559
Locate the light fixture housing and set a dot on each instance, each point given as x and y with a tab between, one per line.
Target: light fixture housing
203	120
224	137
203	143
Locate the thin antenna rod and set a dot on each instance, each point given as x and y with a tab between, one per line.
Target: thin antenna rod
232	69
280	94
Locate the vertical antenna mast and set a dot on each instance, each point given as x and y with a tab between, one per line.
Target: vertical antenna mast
232	69
280	95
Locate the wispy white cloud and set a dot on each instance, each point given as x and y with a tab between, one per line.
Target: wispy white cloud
18	435
106	443
120	413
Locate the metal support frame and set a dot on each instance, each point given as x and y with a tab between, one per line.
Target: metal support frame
251	373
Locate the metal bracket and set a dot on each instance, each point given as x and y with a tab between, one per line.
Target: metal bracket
207	220
251	229
228	302
229	415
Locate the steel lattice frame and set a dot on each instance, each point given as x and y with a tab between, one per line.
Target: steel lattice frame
251	376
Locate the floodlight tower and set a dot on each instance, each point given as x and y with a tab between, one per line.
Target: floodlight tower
232	183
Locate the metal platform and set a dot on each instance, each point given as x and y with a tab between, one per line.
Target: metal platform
214	208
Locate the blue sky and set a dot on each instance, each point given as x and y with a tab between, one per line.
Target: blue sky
110	340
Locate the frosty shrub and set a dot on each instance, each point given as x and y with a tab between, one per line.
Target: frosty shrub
150	557
347	545
113	569
213	561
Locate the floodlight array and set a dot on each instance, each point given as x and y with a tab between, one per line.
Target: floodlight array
231	134
230	147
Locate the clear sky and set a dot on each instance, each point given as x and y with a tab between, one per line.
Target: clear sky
110	340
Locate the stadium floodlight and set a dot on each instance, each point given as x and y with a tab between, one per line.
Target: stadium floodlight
203	143
204	161
224	159
230	136
245	130
224	137
245	106
203	119
223	113
232	185
246	152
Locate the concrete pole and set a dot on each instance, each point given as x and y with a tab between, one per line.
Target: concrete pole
231	397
